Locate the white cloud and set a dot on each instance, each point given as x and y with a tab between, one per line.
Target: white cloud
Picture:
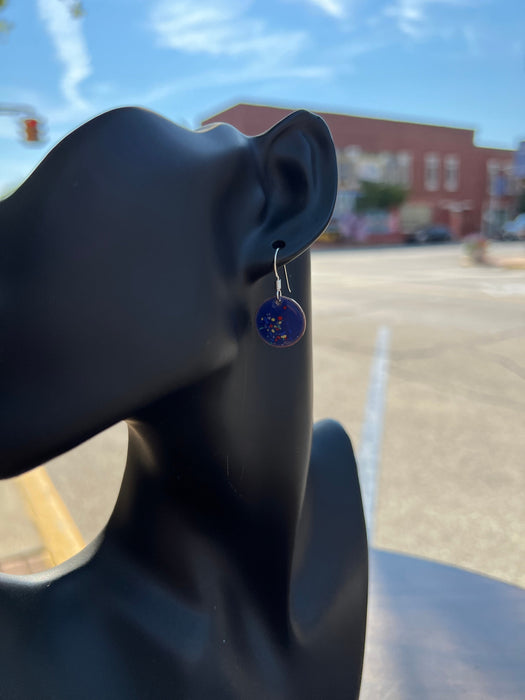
338	9
412	17
251	74
335	8
219	29
70	46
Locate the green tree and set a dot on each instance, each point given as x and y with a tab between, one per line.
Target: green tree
75	7
380	195
5	26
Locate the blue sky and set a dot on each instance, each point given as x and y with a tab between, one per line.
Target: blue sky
458	62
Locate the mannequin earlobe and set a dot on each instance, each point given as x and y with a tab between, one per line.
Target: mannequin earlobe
299	176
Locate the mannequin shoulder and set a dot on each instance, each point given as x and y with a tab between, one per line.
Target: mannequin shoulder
332	447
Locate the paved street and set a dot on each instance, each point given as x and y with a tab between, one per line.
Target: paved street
445	344
451	472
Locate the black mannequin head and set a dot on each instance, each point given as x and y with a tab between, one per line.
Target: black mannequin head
134	260
130	260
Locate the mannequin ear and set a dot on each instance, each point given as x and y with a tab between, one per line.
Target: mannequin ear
299	177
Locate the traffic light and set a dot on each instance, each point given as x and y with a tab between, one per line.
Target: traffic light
31	134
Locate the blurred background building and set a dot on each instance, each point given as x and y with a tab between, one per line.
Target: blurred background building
440	176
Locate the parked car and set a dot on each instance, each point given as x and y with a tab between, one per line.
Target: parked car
430	234
514	230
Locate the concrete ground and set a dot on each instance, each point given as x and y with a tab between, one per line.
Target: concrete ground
450	475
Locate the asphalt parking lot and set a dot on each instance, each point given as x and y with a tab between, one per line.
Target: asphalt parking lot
422	358
450	469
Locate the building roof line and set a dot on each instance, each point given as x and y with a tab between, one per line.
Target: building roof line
496	148
470	130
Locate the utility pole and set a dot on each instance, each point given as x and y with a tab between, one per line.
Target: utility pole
519	171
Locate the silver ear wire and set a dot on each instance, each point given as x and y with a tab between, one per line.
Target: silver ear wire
280	321
278	284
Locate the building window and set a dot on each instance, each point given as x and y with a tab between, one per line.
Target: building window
512	183
492	176
451	173
348	166
432	172
389	167
404	163
498	182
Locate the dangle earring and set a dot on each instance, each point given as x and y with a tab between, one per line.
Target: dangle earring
280	320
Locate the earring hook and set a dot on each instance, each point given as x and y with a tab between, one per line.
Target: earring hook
280	320
278	284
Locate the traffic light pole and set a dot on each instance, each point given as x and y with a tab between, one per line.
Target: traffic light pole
28	116
22	110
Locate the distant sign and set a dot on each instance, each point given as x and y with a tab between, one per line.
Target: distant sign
519	162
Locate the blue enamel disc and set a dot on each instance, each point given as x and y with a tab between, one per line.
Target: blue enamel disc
281	323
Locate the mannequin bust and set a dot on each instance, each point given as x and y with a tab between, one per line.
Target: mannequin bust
234	566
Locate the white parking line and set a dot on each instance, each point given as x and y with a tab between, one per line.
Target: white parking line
504	290
372	430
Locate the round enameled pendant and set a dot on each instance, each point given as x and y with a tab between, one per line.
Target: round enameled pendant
281	323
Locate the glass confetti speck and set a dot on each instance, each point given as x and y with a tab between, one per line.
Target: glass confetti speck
281	323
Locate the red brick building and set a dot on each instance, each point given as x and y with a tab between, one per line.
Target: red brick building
451	180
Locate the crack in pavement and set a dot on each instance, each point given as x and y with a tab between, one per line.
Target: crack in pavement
508	364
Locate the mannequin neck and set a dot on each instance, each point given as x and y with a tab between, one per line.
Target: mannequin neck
193	503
